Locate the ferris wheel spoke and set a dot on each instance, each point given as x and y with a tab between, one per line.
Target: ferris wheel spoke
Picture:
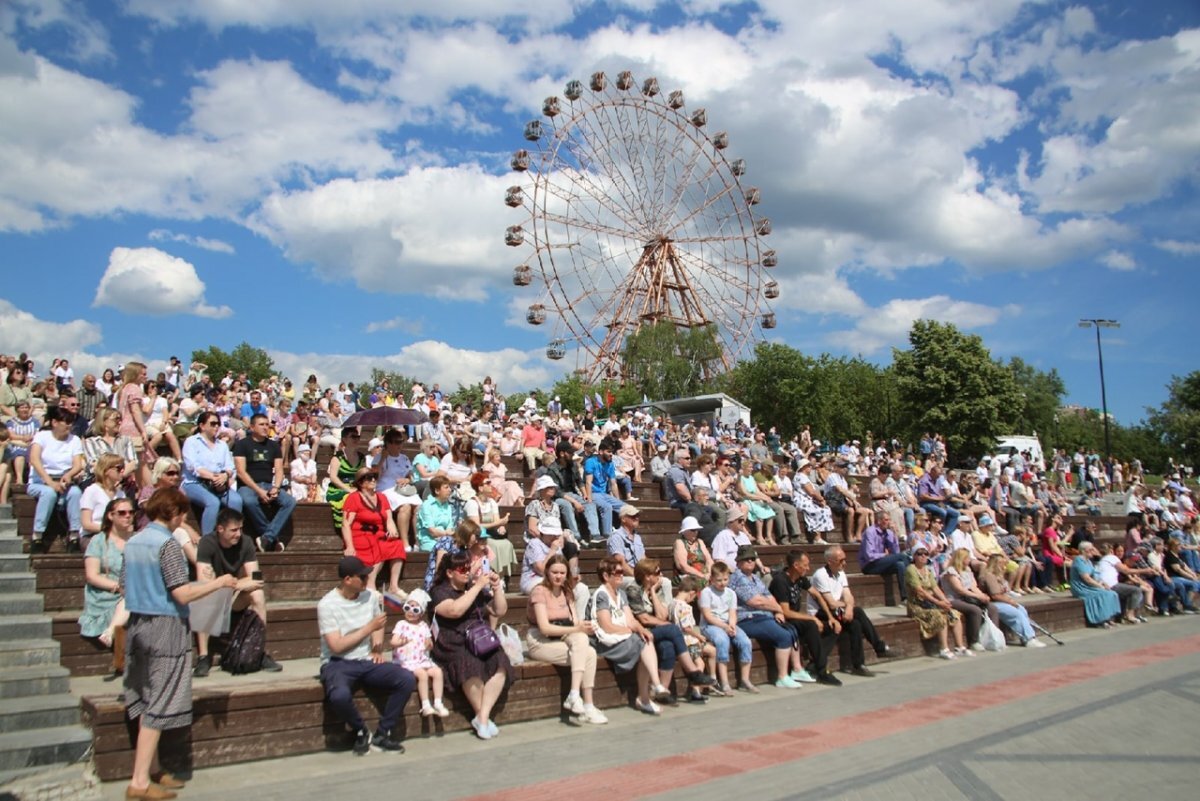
617	176
599	195
705	205
682	182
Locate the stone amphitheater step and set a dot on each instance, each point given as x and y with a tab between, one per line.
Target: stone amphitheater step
244	718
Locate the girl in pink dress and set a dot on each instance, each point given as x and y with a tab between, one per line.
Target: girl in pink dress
412	640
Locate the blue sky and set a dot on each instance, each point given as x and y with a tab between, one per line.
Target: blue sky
325	180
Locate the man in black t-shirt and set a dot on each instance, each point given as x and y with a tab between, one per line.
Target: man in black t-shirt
1181	574
259	463
223	552
791	588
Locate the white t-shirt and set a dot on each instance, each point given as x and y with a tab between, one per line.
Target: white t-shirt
158	412
96	499
335	613
719	605
725	546
824	583
57	455
303	470
1107	570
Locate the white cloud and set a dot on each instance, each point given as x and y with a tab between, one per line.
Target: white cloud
20	331
407	325
87	40
149	281
1177	247
215	245
890	323
429	360
70	145
435	231
1118	260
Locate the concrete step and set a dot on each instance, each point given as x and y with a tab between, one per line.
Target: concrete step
11	544
6	512
22	682
48	746
17	583
24	603
14	563
27	653
77	782
24	626
38	712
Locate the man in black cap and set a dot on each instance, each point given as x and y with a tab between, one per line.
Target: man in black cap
351	620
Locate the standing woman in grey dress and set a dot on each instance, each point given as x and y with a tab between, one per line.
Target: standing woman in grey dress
158	671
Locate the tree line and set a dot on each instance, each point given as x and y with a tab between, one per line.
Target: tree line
945	381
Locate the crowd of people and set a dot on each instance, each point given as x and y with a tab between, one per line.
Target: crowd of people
961	547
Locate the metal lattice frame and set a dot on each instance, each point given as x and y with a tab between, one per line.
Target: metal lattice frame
634	215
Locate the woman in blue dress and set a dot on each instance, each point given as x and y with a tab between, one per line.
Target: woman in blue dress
1101	605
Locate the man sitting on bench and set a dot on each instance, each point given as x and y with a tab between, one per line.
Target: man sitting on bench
227	552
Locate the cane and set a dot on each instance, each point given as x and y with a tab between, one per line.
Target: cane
1043	631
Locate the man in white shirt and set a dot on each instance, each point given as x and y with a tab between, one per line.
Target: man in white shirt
834	604
351	621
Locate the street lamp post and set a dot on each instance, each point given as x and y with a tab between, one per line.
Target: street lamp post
1098	324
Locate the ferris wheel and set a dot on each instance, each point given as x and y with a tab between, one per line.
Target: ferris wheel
633	214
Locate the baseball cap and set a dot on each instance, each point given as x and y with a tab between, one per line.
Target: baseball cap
352	566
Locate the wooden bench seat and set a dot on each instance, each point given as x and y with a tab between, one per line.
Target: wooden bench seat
239	719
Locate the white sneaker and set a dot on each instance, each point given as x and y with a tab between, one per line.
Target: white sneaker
650	708
977	646
427	710
593	715
440	709
946	654
820	541
1034	644
573	704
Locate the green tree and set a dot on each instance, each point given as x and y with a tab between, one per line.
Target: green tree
244	358
1177	420
664	361
778	385
1041	396
947	382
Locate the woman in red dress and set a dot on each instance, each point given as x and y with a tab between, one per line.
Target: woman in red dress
369	531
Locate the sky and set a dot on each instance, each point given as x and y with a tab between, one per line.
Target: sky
326	180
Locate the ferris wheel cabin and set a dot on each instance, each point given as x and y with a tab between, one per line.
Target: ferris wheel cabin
536	315
522	275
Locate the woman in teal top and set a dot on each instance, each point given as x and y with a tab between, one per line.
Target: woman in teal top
104	614
1100	604
426	465
435	518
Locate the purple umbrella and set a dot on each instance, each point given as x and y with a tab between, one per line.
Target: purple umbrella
387	416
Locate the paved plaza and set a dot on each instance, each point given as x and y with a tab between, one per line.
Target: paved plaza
1107	716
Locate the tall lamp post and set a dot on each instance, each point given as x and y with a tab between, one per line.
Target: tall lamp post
1098	324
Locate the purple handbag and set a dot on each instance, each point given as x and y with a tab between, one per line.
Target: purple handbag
481	638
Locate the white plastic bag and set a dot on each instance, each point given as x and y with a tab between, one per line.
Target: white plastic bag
990	636
510	641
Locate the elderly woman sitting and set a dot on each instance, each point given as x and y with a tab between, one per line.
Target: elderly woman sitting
930	607
464	601
650	603
1012	613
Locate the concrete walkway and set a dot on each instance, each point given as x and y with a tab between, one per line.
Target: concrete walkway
1025	724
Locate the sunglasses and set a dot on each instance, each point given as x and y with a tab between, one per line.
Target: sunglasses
123	512
171	473
463	569
412	609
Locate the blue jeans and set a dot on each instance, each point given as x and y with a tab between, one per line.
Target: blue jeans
721	642
1185	587
605	506
47	499
340	675
668	642
211	505
1017	619
589	515
625	483
947	514
764	629
1164	591
252	507
891	563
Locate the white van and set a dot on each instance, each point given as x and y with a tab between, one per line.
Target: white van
1007	446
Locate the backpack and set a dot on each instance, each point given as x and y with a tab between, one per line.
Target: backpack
247	645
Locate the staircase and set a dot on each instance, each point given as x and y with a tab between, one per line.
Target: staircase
40	732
